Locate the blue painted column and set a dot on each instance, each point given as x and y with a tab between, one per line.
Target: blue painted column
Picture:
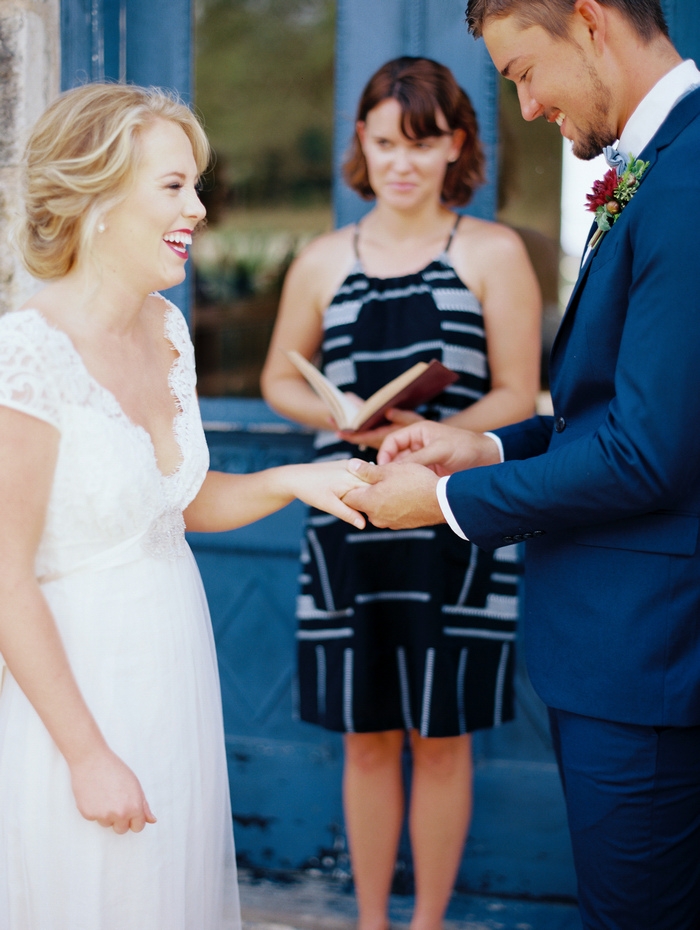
147	42
684	25
370	32
518	843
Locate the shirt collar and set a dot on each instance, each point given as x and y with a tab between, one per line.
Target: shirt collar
655	107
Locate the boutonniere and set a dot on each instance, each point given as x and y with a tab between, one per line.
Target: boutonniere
612	193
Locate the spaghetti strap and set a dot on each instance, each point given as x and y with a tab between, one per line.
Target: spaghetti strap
452	232
355	240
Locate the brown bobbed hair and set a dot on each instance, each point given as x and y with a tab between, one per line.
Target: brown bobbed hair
79	162
422	87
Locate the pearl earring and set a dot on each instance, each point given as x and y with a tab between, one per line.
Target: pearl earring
101	227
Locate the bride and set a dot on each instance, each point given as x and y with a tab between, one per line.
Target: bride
114	806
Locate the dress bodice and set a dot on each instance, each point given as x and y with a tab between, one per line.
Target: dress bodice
107	487
375	328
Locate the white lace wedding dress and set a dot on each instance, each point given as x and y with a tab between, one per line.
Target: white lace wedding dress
123	586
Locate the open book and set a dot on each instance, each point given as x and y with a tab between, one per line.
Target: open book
413	387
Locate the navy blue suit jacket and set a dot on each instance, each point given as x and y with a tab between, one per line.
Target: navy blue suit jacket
607	492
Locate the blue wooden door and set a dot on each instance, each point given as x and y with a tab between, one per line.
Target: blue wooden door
370	33
285	775
147	42
518	841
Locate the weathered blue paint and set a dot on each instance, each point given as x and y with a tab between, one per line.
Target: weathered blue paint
285	775
147	42
683	18
514	848
371	32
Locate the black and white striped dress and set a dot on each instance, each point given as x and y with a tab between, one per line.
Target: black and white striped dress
410	628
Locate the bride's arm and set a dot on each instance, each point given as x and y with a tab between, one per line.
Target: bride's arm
105	789
227	501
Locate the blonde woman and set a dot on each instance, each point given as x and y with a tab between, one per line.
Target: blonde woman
114	805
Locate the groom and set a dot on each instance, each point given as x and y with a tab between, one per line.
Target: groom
607	491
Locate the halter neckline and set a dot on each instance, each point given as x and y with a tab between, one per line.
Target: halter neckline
444	251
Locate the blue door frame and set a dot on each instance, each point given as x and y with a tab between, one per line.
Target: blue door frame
147	42
285	775
370	32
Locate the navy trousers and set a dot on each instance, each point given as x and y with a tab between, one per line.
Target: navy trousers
633	803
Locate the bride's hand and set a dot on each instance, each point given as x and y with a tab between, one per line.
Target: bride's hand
323	485
107	791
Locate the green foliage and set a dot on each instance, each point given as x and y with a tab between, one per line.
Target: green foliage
264	85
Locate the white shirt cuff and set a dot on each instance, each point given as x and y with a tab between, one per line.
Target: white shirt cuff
498	442
441	491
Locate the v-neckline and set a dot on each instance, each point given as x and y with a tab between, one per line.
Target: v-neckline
111	398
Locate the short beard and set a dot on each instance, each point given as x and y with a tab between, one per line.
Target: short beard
597	137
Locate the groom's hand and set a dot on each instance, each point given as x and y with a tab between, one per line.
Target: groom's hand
444	449
396	496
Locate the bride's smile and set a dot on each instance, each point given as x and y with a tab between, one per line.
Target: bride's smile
146	236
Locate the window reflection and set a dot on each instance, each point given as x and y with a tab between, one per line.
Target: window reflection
264	86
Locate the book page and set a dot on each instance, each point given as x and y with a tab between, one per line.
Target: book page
342	409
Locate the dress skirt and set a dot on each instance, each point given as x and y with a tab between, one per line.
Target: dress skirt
408	629
137	633
412	629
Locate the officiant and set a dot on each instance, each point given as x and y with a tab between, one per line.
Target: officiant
408	636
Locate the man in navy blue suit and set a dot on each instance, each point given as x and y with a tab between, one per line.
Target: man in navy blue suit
606	493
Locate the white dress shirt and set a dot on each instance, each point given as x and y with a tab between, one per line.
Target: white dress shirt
646	120
640	129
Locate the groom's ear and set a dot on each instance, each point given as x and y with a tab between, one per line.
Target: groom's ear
589	27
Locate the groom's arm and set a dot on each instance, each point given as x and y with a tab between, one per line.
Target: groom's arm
637	452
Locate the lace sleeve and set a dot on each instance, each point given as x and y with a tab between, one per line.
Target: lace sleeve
25	382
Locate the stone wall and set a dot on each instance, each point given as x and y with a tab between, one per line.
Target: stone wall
29	80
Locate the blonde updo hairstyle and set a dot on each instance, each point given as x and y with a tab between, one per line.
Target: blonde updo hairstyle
79	162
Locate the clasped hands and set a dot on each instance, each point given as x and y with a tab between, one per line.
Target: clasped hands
400	490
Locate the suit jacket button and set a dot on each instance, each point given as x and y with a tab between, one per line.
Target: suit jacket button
518	537
527	535
560	424
508	539
538	533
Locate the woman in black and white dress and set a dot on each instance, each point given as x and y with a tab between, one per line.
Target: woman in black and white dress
408	632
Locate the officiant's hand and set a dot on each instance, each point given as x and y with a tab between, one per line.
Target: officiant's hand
443	449
107	791
395	496
373	438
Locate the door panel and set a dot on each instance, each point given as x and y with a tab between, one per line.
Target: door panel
370	33
285	775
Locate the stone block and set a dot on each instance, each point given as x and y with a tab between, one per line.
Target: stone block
29	79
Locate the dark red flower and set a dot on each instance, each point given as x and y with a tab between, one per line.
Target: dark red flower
603	191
